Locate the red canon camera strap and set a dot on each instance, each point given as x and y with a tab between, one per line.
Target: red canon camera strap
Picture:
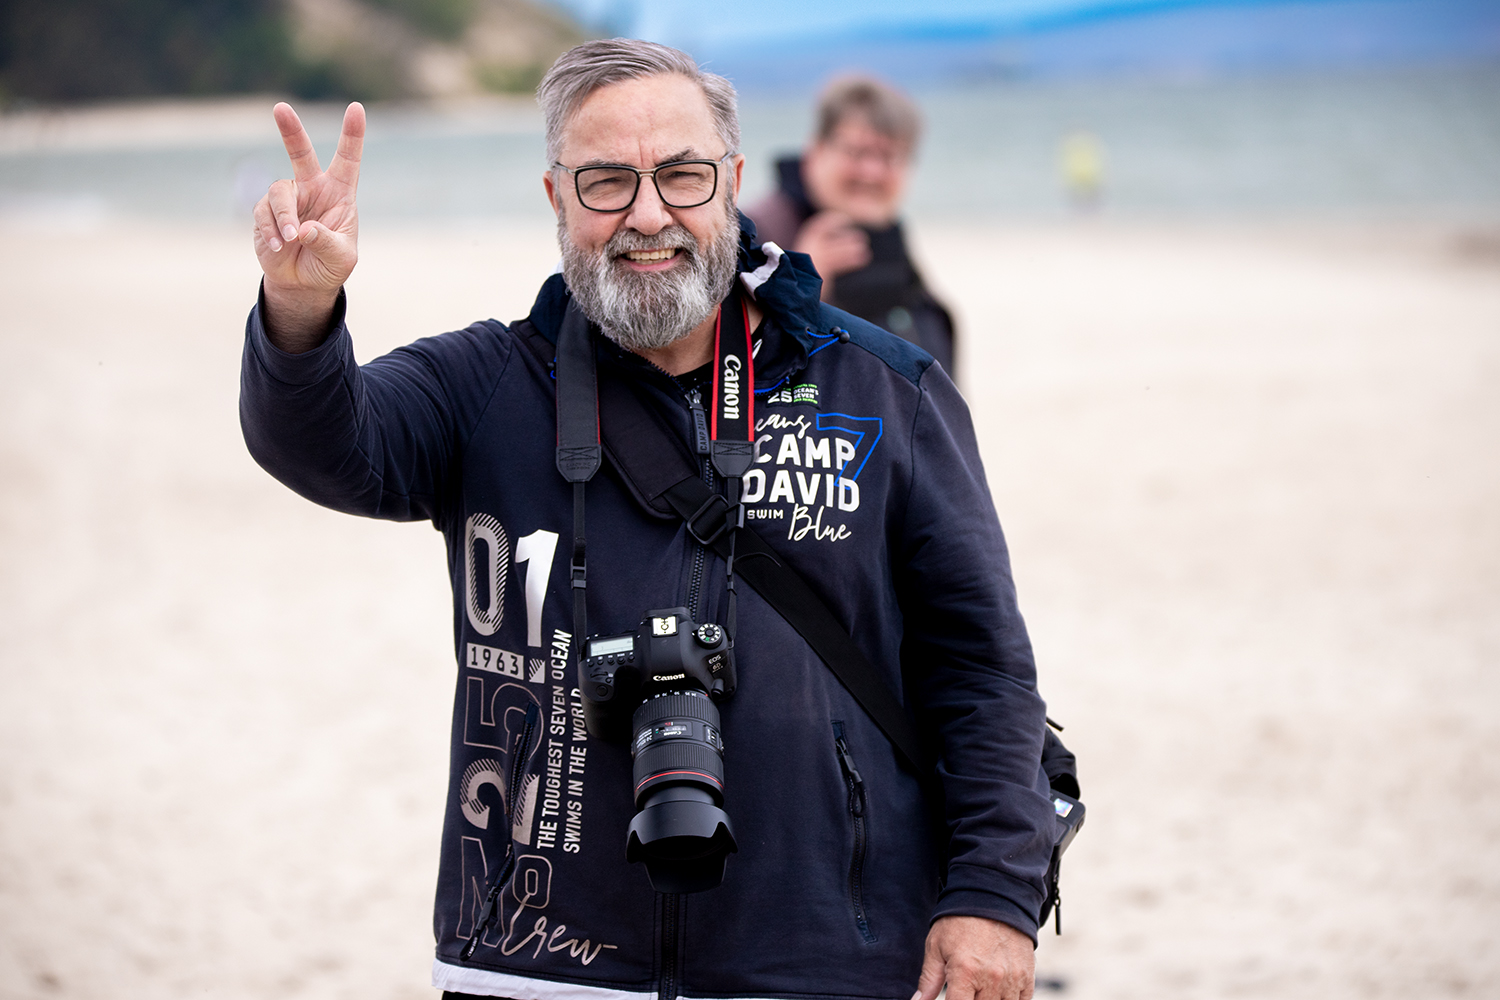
732	419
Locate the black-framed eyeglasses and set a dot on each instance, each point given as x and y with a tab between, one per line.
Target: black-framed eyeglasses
612	187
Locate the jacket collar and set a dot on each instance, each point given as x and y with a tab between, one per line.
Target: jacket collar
783	284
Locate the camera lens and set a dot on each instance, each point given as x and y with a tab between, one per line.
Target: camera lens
676	741
681	833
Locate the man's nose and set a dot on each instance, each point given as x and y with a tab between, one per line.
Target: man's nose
649	214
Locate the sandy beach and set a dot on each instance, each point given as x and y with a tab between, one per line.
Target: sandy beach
1248	474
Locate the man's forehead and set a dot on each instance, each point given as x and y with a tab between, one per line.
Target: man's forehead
642	122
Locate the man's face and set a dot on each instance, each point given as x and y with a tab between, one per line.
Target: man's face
858	171
649	274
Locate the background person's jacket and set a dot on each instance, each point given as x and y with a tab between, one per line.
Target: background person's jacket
869	483
888	291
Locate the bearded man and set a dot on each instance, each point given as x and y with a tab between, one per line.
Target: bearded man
849	873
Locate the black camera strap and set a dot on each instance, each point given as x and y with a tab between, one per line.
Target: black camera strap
732	425
578	451
731	444
658	471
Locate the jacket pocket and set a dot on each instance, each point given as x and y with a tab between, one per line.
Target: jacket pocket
858	804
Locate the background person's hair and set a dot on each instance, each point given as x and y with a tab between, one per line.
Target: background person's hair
585	68
888	110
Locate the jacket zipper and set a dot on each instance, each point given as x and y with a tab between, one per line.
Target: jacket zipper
671	903
519	750
671	955
857	804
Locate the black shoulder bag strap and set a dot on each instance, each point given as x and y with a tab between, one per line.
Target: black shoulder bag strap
662	476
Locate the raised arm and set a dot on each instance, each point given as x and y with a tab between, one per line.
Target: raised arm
306	231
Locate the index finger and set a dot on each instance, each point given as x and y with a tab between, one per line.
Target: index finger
299	148
344	167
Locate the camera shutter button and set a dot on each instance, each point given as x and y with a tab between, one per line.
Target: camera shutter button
709	635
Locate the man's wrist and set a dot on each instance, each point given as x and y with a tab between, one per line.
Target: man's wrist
974	902
297	320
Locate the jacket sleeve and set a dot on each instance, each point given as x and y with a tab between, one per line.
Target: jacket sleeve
966	651
379	440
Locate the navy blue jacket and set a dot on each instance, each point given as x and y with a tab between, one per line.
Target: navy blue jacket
868	481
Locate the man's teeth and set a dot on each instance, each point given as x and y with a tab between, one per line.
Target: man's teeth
645	255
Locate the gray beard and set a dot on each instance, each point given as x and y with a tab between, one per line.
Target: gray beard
645	312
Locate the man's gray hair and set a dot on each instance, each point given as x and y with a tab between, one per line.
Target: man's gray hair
585	68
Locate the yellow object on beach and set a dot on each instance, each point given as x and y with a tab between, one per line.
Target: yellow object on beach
1082	163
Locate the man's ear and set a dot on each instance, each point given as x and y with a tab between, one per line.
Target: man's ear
551	187
739	174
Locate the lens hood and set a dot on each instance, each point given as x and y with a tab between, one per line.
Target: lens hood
683	840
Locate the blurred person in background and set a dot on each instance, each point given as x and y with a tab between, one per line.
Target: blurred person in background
838	203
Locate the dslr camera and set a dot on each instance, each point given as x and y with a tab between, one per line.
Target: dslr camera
658	688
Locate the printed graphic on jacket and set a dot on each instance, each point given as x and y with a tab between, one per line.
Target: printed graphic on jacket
803	393
807	471
536	776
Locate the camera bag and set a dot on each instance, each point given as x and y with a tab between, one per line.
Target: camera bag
608	418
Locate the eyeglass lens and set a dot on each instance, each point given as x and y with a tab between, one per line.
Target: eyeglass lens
681	185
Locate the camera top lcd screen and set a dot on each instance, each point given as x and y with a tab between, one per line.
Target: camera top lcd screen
617	644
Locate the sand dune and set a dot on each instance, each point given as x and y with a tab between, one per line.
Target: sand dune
1249	478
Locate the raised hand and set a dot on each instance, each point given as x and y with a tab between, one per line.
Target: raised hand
307	230
836	245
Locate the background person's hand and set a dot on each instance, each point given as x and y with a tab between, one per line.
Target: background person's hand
835	244
306	232
978	959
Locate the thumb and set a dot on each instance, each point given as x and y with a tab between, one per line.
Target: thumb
316	237
332	249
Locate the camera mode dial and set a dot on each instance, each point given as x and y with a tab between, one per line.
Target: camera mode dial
709	635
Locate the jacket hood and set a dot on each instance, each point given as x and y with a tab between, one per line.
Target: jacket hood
784	285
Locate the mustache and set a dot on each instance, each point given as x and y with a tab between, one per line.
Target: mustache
630	239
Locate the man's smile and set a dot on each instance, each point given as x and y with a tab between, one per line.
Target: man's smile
650	256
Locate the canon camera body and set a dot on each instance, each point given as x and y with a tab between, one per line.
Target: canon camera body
658	688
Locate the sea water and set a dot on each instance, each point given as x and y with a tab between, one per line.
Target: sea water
1410	142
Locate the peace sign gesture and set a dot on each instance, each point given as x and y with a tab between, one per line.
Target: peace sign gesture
306	230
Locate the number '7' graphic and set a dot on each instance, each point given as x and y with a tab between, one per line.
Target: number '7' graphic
866	432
